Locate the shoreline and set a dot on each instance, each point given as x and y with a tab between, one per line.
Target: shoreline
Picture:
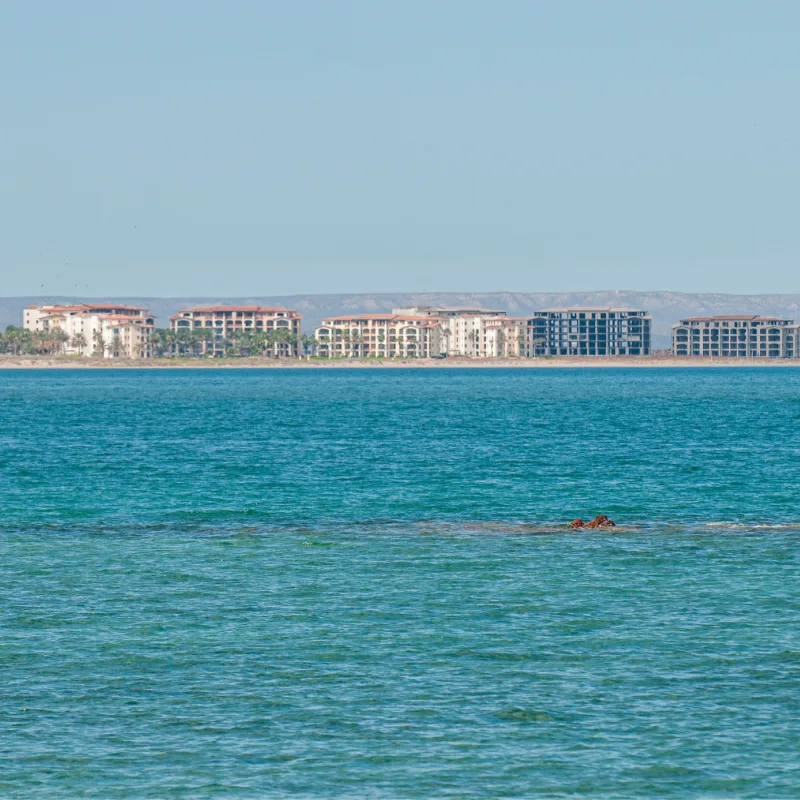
573	362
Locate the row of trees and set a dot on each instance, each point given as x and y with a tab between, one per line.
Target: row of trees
20	341
182	343
356	345
197	343
203	343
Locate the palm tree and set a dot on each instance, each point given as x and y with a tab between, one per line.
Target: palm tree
115	347
233	335
42	342
171	342
99	346
183	341
476	338
272	342
535	343
204	336
446	333
259	342
282	337
18	340
79	343
61	339
8	342
500	339
157	341
310	345
197	342
347	338
248	344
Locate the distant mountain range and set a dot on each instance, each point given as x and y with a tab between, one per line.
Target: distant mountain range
665	307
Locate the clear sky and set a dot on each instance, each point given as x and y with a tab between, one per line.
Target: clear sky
246	147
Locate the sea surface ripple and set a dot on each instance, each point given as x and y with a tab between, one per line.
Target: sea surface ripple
238	584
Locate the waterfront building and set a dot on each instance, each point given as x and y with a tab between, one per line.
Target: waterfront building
227	324
589	332
483	337
386	335
447	312
736	336
473	332
110	330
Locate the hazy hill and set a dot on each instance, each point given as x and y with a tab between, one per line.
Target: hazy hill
666	307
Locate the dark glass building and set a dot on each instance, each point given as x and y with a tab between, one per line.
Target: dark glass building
589	332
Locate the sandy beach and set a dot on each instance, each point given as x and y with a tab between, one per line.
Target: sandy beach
73	362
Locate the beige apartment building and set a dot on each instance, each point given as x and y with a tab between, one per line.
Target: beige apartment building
474	332
281	326
504	337
378	336
110	330
736	336
473	336
589	332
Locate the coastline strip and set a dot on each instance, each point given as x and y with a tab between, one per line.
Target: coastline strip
49	362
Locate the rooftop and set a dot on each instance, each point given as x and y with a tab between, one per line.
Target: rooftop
577	309
387	316
123	317
468	310
112	306
51	309
222	309
724	317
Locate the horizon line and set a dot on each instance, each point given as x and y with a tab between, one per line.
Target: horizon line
408	292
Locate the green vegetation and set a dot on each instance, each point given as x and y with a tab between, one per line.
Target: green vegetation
203	343
183	343
19	342
186	344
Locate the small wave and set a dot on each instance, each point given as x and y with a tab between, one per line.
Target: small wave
496	527
524	715
754	526
228	525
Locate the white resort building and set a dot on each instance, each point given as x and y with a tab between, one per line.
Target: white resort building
227	324
422	332
474	332
484	337
94	329
378	336
736	336
589	332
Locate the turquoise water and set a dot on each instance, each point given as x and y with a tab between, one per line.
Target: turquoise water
352	584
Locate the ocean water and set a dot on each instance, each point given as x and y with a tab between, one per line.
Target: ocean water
330	583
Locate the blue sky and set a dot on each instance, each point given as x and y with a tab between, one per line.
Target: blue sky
258	147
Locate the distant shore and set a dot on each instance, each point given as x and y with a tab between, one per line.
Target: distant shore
74	362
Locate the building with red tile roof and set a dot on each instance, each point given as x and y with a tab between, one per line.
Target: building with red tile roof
474	332
110	330
378	335
280	327
736	336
